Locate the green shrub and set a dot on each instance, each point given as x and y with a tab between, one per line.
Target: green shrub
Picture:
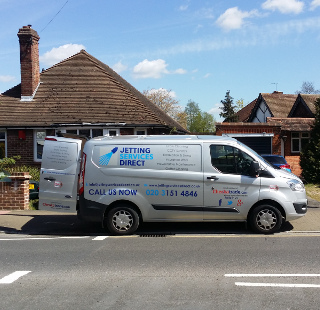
310	155
34	204
33	171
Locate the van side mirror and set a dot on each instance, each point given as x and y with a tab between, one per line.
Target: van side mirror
254	169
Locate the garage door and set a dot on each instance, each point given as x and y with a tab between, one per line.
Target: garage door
262	145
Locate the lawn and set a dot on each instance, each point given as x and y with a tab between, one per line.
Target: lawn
313	191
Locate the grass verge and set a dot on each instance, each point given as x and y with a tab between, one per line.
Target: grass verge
313	191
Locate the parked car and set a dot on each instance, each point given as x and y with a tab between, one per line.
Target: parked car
277	161
33	189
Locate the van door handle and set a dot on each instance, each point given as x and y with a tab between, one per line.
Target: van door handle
213	178
50	179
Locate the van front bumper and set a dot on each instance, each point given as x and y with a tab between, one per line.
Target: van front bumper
301	208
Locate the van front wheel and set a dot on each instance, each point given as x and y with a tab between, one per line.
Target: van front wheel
122	220
265	219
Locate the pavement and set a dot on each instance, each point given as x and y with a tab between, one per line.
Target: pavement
35	222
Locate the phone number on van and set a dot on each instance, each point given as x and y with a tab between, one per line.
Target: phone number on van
155	192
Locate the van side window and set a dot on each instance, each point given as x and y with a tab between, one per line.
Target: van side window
228	159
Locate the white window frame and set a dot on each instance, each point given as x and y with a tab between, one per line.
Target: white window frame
298	138
64	130
5	142
35	144
106	132
140	129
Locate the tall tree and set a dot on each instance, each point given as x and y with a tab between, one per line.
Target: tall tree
310	155
197	120
165	100
228	109
308	88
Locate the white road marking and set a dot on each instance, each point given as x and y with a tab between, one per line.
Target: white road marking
99	238
283	275
238	275
275	284
13	277
42	238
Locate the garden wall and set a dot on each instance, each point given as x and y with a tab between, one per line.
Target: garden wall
14	192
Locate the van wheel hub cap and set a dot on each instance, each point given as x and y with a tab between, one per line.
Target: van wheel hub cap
266	219
122	220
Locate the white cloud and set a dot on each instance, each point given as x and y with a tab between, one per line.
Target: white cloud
314	4
234	18
153	69
180	71
119	67
206	75
183	7
216	111
284	6
60	53
150	69
6	78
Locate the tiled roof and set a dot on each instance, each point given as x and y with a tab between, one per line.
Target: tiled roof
279	104
292	124
309	100
81	89
245	112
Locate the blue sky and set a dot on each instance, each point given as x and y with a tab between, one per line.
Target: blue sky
197	49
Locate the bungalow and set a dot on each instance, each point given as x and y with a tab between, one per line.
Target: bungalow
275	123
79	95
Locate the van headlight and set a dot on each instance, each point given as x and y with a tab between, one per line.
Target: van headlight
296	185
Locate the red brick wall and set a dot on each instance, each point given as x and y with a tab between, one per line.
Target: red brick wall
22	147
14	195
294	162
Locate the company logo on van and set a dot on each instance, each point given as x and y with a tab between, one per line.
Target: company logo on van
104	159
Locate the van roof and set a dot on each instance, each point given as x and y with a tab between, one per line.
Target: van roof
165	137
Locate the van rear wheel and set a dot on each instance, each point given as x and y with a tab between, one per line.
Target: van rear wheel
265	219
122	220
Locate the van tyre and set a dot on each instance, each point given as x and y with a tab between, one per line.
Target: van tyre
122	220
265	219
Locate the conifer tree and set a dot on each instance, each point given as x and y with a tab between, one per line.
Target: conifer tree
228	109
310	155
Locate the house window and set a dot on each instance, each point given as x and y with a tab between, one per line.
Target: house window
39	136
2	144
299	140
140	132
111	132
85	132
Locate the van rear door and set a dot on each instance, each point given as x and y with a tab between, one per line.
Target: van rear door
59	174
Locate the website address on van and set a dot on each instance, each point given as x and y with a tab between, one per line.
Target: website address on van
174	185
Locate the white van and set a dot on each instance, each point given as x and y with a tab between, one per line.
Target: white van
125	180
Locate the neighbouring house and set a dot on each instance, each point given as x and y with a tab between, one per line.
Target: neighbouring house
275	123
79	95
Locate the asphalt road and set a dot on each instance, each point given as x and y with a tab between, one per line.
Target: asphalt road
172	272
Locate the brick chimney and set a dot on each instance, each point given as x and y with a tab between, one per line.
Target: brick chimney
29	61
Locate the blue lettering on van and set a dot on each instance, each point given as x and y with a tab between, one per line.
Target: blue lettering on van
104	159
135	150
127	192
137	156
134	163
104	192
